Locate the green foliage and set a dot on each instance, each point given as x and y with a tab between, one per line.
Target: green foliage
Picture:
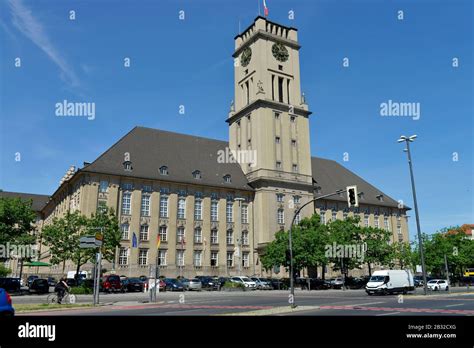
403	255
16	222
4	271
233	285
81	290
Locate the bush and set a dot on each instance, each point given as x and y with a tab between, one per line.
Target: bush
81	290
232	285
4	271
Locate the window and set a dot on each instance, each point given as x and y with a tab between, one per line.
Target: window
280	89
143	232
322	215
399	229
278	165
102	206
197	174
292	119
197	235
164	170
229	237
296	199
125	228
277	115
214	237
214	258
366	220
376	222
245	214
104	185
277	140
386	223
180	258
293	142
126	203
123	256
295	167
245	237
181	208
143	257
334	215
344	215
180	235
214	211
229	212
227	179
281	216
145	206
245	259
197	258
164	206
230	259
127	165
198	209
297	218
163	231
162	257
280	197
146	188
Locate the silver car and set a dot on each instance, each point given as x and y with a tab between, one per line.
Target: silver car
195	284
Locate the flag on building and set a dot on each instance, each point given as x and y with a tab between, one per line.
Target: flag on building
134	240
158	242
265	8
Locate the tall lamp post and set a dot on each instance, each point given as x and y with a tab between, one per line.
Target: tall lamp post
408	140
239	241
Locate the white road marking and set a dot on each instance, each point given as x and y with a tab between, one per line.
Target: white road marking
392	313
455	305
364	304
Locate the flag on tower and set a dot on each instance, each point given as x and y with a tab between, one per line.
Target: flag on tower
265	8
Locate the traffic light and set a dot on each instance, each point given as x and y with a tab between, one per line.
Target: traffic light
352	198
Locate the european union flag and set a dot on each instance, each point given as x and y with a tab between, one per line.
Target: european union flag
134	240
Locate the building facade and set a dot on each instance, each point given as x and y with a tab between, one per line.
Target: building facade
215	213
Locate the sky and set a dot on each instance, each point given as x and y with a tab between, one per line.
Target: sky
175	61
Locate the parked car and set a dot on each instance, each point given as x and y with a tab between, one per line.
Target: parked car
143	278
336	283
185	282
356	283
30	279
71	282
10	284
437	284
6	308
111	283
248	283
194	284
277	284
208	283
173	284
52	281
39	286
221	281
132	285
262	283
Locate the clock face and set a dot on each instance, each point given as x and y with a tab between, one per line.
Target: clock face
246	56
280	52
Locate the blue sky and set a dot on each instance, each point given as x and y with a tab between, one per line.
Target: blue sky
176	62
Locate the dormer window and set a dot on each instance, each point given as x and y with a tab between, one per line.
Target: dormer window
227	179
197	174
127	165
380	198
164	170
361	195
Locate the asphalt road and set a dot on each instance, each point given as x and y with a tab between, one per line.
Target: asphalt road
323	302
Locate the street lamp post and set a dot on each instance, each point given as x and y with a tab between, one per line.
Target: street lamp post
408	140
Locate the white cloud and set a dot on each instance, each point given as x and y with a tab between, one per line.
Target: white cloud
33	29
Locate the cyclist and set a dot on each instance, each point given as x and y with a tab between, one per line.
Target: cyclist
61	288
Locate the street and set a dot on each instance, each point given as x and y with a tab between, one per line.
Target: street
458	302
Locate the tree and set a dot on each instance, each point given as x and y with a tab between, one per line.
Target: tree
4	271
16	222
402	253
378	251
62	237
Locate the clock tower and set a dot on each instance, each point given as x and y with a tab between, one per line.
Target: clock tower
269	123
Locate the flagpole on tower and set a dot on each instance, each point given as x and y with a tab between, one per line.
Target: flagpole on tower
258	1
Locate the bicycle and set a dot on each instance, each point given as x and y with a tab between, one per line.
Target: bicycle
67	298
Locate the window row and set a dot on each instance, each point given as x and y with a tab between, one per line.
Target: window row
181	235
124	256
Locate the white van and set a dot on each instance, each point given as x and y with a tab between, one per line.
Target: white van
390	281
83	274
